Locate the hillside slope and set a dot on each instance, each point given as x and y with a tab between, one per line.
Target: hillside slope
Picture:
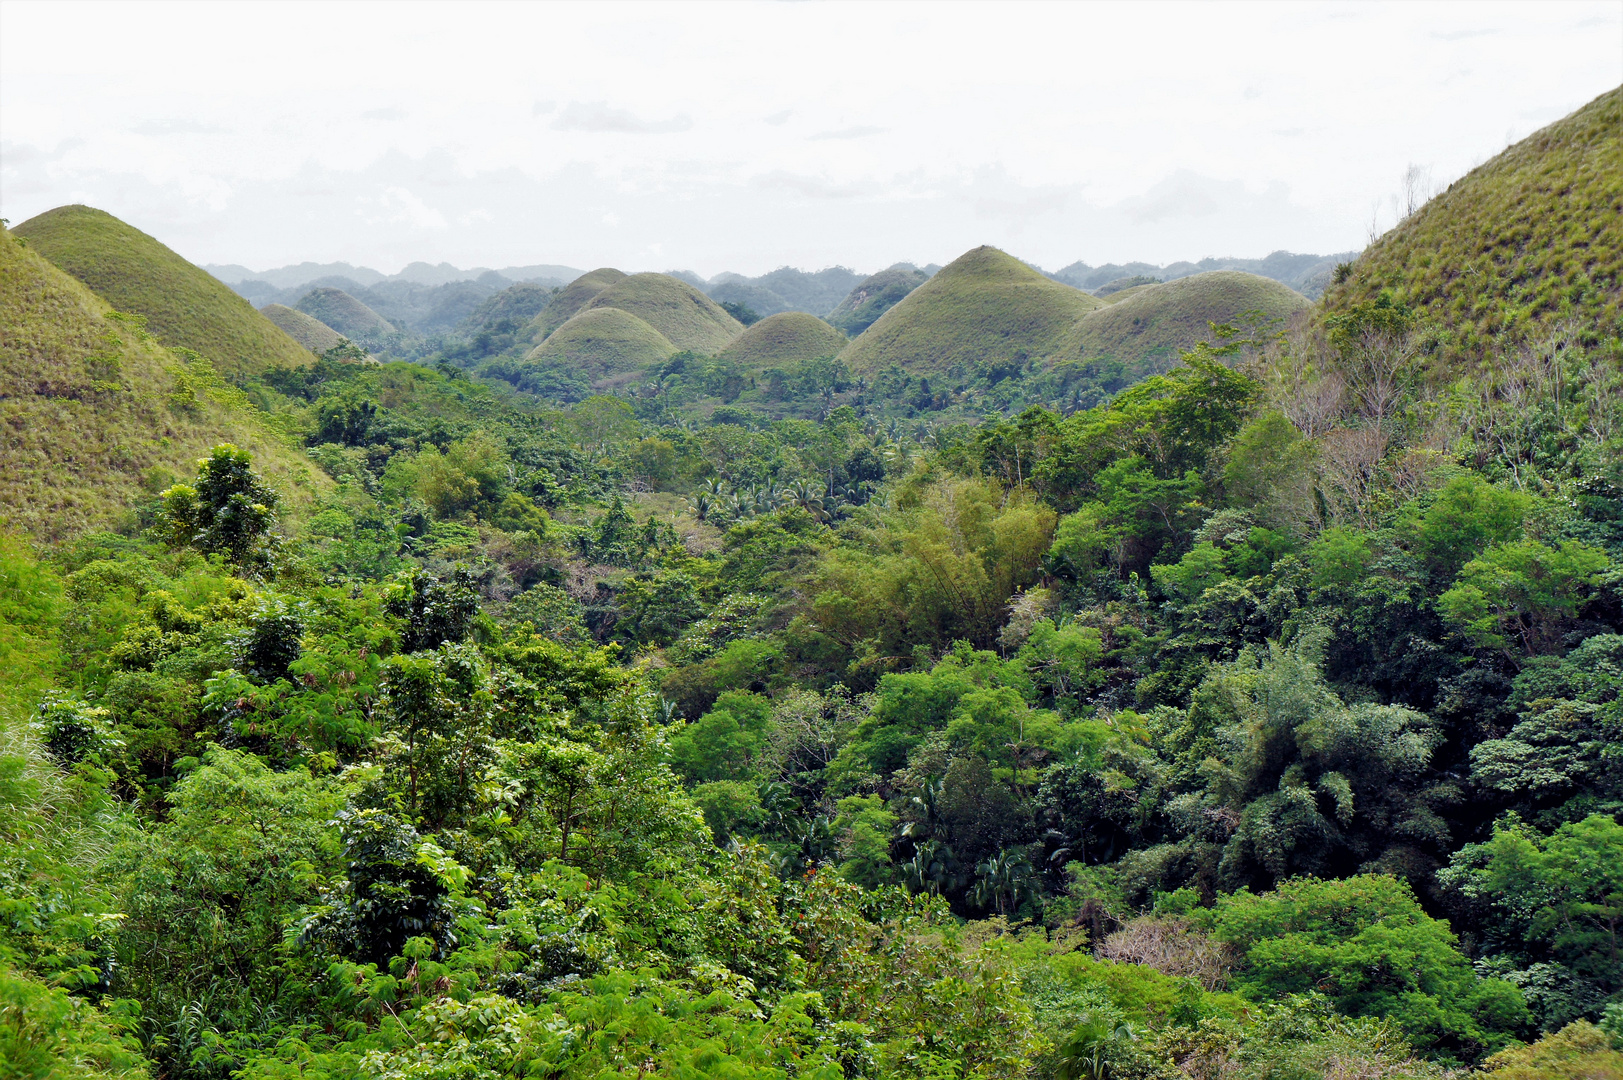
184	305
343	313
98	416
1149	325
308	331
1531	238
603	341
685	316
873	296
985	308
568	302
516	304
785	338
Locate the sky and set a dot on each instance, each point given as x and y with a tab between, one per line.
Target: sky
747	136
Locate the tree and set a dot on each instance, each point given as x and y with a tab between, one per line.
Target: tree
1520	598
435	610
228	511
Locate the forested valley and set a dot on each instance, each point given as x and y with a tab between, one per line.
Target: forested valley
1254	714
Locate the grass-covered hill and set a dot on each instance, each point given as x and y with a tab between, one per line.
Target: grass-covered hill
601	342
343	313
873	296
685	316
184	305
984	308
517	304
568	302
99	416
785	338
308	331
1149	328
1531	238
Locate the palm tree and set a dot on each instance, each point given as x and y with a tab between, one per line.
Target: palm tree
1086	1054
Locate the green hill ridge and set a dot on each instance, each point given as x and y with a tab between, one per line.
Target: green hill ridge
518	304
1531	238
343	313
685	316
984	308
568	301
1150	327
99	416
184	305
785	338
310	332
874	296
602	342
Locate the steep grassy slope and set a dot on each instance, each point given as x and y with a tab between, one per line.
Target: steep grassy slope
1531	238
687	317
518	304
343	313
183	305
874	296
603	341
784	339
97	416
1148	329
568	302
986	308
310	332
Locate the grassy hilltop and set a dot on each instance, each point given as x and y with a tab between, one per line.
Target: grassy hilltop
1148	325
99	416
568	302
308	331
687	317
603	341
343	313
1530	239
184	305
985	307
783	339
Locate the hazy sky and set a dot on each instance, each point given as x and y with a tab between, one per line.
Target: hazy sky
743	137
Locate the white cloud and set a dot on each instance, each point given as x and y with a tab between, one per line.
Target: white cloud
784	139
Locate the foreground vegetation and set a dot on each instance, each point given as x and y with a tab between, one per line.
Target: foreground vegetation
1260	721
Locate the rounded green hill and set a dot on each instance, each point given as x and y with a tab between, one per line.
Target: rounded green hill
602	342
685	316
312	333
785	338
184	305
1532	238
568	301
873	297
343	313
97	412
984	308
1148	329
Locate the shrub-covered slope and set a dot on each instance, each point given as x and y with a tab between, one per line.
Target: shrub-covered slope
685	316
343	313
874	296
518	304
184	306
603	341
310	332
784	339
985	307
98	416
1152	326
1532	238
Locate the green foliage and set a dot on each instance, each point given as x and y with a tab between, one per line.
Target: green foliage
1524	594
1367	944
228	511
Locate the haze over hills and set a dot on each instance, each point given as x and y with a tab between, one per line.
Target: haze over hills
184	306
